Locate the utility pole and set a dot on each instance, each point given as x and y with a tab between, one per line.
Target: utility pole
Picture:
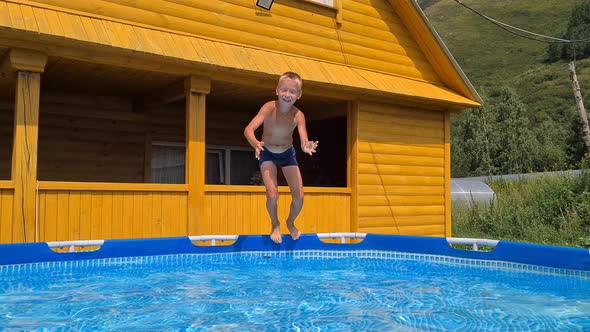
580	105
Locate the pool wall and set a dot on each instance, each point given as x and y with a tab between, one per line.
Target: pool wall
524	253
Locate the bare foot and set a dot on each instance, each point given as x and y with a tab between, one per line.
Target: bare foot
295	233
275	234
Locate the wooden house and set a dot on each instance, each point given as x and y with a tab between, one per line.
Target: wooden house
124	118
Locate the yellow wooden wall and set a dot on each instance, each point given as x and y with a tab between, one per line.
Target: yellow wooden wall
370	35
401	170
82	211
6	202
242	210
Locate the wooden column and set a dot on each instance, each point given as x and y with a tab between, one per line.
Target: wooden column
26	68
352	162
196	89
448	202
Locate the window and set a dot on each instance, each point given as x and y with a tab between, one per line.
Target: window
167	164
325	2
223	164
231	165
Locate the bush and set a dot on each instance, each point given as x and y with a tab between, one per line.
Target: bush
552	210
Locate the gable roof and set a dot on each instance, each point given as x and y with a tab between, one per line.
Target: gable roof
28	21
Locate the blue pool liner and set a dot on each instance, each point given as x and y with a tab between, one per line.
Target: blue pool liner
506	251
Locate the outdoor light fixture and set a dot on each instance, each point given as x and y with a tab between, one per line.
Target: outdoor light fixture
264	3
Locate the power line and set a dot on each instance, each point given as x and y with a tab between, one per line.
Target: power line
521	32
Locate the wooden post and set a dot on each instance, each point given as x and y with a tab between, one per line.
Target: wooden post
447	172
580	105
196	88
26	67
352	115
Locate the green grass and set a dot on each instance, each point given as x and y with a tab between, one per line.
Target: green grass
492	57
551	210
487	54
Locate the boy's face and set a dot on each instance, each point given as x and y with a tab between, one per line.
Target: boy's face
288	91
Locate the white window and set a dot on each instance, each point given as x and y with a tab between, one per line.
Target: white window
325	2
223	164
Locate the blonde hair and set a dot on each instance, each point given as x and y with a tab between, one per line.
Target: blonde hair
293	76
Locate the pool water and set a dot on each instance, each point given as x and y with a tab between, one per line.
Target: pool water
266	292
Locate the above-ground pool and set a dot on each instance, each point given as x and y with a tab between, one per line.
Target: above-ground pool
384	283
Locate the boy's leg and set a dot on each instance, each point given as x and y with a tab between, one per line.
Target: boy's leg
293	177
268	171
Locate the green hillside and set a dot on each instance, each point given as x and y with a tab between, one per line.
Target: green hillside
494	59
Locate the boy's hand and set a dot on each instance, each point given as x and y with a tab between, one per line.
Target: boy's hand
258	149
310	147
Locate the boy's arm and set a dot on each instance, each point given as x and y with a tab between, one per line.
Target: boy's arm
307	146
252	126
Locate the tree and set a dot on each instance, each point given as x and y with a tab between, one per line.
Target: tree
517	139
578	28
496	138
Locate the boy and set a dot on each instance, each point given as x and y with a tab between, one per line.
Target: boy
279	119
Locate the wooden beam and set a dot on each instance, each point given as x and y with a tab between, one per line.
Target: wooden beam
171	93
22	60
352	162
448	220
196	89
24	156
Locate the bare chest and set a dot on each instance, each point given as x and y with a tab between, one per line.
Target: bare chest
278	121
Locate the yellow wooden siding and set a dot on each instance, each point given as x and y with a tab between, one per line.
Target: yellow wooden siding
401	170
378	55
71	214
373	36
6	207
242	212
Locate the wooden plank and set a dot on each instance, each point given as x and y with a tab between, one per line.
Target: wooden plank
380	159
78	27
66	23
204	226
24	154
29	18
96	226
107	215
157	215
118	218
401	180
215	215
447	196
63	216
101	31
6	202
147	216
385	200
384	211
237	214
400	149
5	15
41	19
401	190
42	219
74	215
128	214
89	29
137	222
51	218
16	16
54	22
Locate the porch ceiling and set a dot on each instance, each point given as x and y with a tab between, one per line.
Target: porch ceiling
75	76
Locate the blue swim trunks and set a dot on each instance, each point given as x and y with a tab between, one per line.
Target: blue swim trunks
285	158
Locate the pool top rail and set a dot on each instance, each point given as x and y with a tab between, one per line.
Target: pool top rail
525	253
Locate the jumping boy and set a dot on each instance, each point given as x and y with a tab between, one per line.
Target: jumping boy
279	119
